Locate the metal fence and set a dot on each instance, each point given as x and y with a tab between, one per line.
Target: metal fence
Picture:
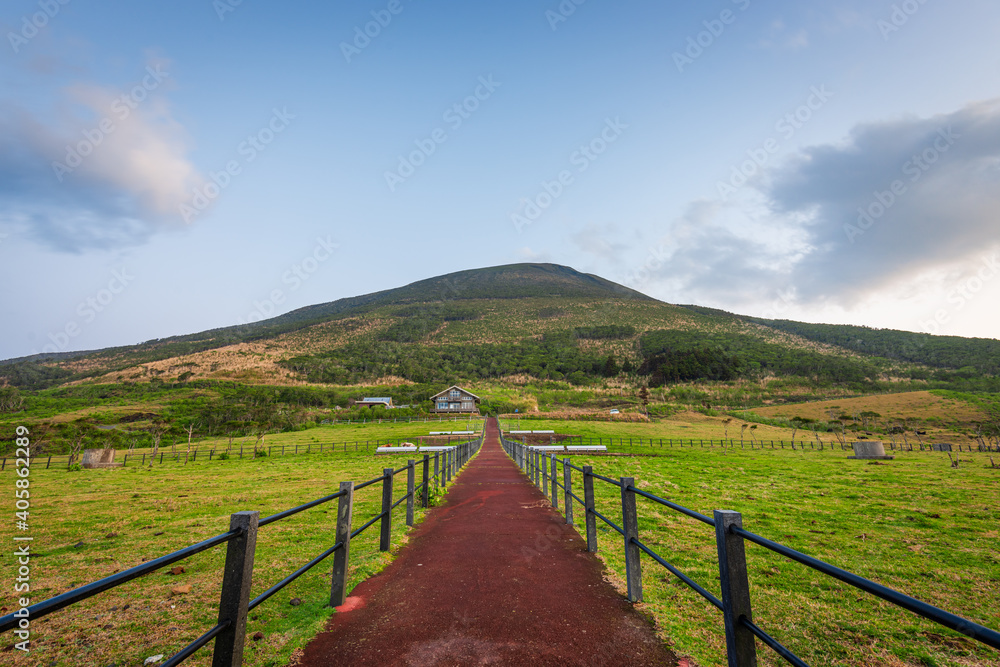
241	539
543	468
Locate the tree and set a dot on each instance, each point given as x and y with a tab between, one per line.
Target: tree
190	432
10	399
156	431
644	398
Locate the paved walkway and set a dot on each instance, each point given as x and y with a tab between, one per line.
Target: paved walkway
493	577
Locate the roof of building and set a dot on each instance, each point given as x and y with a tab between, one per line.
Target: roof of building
454	386
379	399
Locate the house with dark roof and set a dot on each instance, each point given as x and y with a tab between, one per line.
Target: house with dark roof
455	400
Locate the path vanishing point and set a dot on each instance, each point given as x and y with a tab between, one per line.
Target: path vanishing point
492	577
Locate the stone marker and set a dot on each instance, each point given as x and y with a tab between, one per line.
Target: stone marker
870	449
99	458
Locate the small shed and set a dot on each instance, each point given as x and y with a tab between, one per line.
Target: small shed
374	402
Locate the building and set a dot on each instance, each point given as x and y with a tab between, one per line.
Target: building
454	400
381	401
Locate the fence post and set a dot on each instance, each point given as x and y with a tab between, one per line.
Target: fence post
427	487
411	475
630	524
545	474
555	483
235	597
342	557
385	538
588	512
437	470
568	484
740	645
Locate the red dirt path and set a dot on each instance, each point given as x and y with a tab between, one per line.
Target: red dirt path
493	577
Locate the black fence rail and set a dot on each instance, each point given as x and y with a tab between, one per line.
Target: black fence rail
546	470
211	453
241	540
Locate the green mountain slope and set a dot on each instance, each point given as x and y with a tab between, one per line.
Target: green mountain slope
540	320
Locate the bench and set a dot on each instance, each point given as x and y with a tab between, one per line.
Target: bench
586	448
436	449
547	448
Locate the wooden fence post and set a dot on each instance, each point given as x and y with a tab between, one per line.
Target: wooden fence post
235	597
425	501
437	470
545	473
342	557
740	646
411	474
588	512
630	524
385	538
567	491
555	483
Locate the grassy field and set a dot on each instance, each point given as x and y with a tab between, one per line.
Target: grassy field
914	524
87	525
684	425
356	437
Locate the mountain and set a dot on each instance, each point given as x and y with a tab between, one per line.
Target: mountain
540	320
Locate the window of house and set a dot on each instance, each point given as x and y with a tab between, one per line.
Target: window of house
455	393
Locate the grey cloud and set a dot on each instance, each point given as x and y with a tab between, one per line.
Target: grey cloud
852	234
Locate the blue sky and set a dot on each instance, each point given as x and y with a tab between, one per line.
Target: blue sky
167	168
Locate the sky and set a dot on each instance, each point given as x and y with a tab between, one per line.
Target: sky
167	168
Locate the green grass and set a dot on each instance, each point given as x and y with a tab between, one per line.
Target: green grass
91	524
914	524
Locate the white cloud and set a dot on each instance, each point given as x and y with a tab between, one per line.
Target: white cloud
104	168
